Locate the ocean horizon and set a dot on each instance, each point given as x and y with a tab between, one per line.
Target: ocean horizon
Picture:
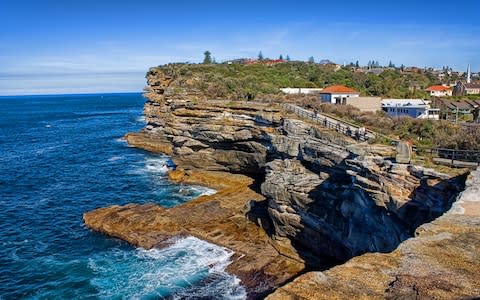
71	94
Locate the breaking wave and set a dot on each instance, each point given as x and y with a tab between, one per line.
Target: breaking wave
188	268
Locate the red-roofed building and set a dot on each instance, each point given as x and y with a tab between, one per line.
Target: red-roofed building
268	62
439	91
337	94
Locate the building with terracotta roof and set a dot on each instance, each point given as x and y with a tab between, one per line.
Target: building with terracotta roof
439	91
337	94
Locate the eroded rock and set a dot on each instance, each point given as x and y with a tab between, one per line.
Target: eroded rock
441	262
218	218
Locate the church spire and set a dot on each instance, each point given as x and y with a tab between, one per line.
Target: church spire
469	74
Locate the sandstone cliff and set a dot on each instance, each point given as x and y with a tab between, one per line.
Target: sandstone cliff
442	261
316	199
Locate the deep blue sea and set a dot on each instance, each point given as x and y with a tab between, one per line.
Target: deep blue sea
61	156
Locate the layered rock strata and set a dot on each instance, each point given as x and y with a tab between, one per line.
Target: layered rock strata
442	261
212	136
364	204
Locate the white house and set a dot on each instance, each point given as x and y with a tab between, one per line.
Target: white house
439	91
337	94
415	108
301	90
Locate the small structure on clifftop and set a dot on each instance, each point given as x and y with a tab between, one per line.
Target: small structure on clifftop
404	153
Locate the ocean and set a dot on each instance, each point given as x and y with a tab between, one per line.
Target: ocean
63	155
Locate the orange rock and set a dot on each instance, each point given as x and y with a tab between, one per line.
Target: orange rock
218	218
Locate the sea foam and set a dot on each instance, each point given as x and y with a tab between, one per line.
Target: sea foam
188	268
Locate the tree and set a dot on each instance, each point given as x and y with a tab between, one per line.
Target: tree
207	57
280	57
311	60
260	55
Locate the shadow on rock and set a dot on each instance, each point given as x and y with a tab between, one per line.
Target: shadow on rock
360	205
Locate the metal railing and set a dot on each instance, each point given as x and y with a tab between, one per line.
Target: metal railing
353	130
340	126
451	155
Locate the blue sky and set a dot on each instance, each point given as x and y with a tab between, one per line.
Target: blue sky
84	46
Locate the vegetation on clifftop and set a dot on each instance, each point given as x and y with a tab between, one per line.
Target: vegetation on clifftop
422	132
252	81
260	82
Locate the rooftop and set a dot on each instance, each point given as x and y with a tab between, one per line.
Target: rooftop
339	89
473	85
452	104
437	88
404	102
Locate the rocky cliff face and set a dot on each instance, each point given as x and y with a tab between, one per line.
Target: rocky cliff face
214	136
441	262
365	204
336	199
324	199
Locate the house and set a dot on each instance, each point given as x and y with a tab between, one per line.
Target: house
238	61
337	94
439	91
301	90
268	62
376	71
414	70
464	88
415	108
454	110
330	64
271	62
467	87
413	86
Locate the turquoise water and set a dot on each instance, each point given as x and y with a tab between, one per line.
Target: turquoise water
61	156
